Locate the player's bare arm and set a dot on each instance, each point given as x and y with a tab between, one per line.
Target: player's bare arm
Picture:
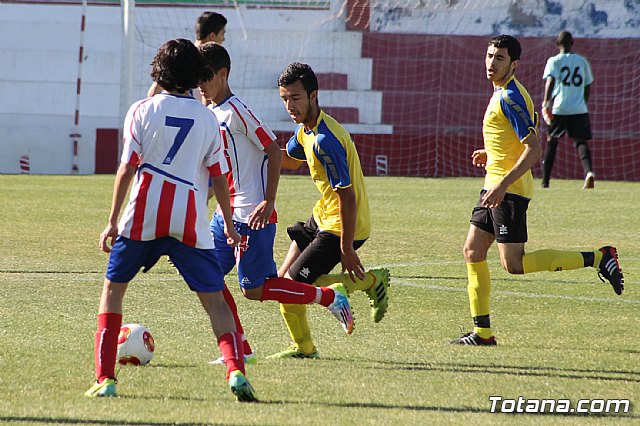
529	157
547	103
479	158
124	176
260	216
289	163
221	190
350	261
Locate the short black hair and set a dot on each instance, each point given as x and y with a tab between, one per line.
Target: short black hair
215	57
178	65
209	22
564	39
511	43
298	71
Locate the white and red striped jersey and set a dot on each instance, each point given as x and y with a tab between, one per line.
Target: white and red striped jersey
175	143
244	137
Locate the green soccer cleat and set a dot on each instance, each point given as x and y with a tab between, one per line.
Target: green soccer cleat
340	307
106	388
379	294
293	352
241	387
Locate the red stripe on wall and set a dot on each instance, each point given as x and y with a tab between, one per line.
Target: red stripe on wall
141	204
165	207
189	236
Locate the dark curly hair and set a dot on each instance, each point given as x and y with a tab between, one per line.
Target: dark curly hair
178	65
510	42
298	71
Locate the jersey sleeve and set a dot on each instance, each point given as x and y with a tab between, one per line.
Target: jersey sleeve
246	122
132	148
333	157
214	159
515	109
294	149
588	75
549	70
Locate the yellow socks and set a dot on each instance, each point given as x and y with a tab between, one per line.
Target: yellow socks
327	279
555	260
295	316
479	290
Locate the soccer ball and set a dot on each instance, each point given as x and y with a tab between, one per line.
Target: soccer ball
135	345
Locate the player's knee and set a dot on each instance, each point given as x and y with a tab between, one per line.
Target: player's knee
578	142
472	254
253	293
514	268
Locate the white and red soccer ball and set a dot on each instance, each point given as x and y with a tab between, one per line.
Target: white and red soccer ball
135	345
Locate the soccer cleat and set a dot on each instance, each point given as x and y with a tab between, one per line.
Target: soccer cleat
106	388
472	339
293	352
248	359
379	293
589	181
340	307
609	268
544	184
241	387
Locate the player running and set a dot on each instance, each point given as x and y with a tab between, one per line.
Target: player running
254	158
340	223
511	148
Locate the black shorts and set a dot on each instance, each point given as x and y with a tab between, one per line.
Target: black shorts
508	221
320	251
577	126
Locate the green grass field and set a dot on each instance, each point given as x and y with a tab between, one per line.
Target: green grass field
562	335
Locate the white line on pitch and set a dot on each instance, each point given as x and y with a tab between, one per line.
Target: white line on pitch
408	283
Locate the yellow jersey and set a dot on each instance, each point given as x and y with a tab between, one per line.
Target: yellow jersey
333	163
510	117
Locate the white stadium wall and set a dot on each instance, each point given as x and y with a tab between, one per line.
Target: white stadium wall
355	44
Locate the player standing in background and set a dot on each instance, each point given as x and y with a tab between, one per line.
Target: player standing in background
511	148
564	108
340	222
172	147
210	26
254	159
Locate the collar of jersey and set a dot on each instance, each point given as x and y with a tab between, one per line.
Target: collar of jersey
320	118
224	101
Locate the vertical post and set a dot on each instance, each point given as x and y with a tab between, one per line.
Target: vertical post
127	57
75	136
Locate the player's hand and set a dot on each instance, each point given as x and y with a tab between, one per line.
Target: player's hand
351	264
479	158
260	216
547	115
233	237
493	197
109	233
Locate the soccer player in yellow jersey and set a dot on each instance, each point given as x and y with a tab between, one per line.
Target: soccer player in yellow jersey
340	222
511	148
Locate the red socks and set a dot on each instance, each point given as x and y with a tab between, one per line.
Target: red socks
234	310
230	345
106	345
292	292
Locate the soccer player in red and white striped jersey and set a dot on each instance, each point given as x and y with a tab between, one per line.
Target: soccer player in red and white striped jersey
172	148
254	158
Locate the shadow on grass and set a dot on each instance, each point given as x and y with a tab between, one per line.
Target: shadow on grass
514	370
70	421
